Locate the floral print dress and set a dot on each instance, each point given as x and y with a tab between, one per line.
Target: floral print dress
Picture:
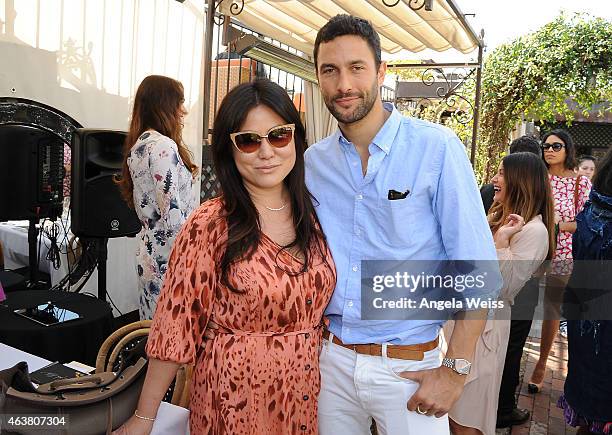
567	206
163	199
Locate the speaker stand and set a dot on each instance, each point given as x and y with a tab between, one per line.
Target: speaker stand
33	282
102	256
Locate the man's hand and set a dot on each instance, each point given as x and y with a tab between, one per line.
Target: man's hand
211	330
438	391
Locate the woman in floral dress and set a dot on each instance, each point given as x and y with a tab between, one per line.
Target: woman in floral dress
570	193
157	178
256	261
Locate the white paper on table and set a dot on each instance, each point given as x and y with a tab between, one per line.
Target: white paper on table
9	356
78	366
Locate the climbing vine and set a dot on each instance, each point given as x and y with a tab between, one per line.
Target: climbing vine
563	68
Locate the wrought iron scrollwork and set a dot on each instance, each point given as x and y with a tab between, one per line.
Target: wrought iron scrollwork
448	91
219	19
415	5
462	108
235	8
449	94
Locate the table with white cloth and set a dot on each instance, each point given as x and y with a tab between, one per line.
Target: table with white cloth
121	280
170	419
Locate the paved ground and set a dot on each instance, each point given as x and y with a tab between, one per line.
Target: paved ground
546	418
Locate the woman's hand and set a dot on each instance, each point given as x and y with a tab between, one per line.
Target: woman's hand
514	224
569	227
134	426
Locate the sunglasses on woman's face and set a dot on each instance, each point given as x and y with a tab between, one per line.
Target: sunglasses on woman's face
249	142
556	147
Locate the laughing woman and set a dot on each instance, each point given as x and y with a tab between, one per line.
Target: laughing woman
522	222
255	260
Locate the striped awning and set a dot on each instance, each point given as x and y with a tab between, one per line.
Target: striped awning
401	27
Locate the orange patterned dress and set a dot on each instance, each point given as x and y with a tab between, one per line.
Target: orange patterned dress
260	376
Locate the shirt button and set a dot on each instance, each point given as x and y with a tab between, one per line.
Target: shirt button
355	268
350	303
359	197
307	366
305	397
303	427
357	232
308	301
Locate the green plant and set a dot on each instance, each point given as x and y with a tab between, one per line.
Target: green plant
537	75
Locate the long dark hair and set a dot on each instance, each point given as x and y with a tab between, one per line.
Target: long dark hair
157	106
528	194
241	214
602	181
570	148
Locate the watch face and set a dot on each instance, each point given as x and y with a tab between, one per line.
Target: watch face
462	366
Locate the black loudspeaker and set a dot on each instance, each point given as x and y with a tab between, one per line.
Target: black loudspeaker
31	173
97	207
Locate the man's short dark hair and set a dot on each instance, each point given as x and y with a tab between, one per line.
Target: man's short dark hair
343	24
526	144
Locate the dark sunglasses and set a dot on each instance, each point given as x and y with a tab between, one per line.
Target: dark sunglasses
555	146
249	142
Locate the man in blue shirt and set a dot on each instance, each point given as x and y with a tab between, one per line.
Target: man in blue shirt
388	188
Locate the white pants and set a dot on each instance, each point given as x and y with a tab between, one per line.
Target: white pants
356	388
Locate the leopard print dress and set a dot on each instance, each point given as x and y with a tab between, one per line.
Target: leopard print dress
261	375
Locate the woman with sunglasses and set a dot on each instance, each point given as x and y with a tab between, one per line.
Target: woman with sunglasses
570	193
255	260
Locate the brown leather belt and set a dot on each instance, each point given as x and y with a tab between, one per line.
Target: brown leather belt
415	352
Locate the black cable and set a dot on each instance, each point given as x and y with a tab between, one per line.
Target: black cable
85	265
39	237
113	304
53	251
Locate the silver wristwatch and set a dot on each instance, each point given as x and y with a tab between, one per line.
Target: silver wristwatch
459	365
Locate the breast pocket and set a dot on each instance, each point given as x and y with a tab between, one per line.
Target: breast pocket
395	221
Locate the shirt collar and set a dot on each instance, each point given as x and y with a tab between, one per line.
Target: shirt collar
385	136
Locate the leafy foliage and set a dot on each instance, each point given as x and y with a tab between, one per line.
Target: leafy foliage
537	75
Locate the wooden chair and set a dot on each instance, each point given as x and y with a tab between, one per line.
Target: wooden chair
121	339
127	337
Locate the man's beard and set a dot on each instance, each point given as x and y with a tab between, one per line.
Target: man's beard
363	108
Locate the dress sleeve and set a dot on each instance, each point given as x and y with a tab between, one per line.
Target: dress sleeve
584	189
165	164
522	258
186	299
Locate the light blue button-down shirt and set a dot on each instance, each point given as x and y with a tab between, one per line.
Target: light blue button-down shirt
441	218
